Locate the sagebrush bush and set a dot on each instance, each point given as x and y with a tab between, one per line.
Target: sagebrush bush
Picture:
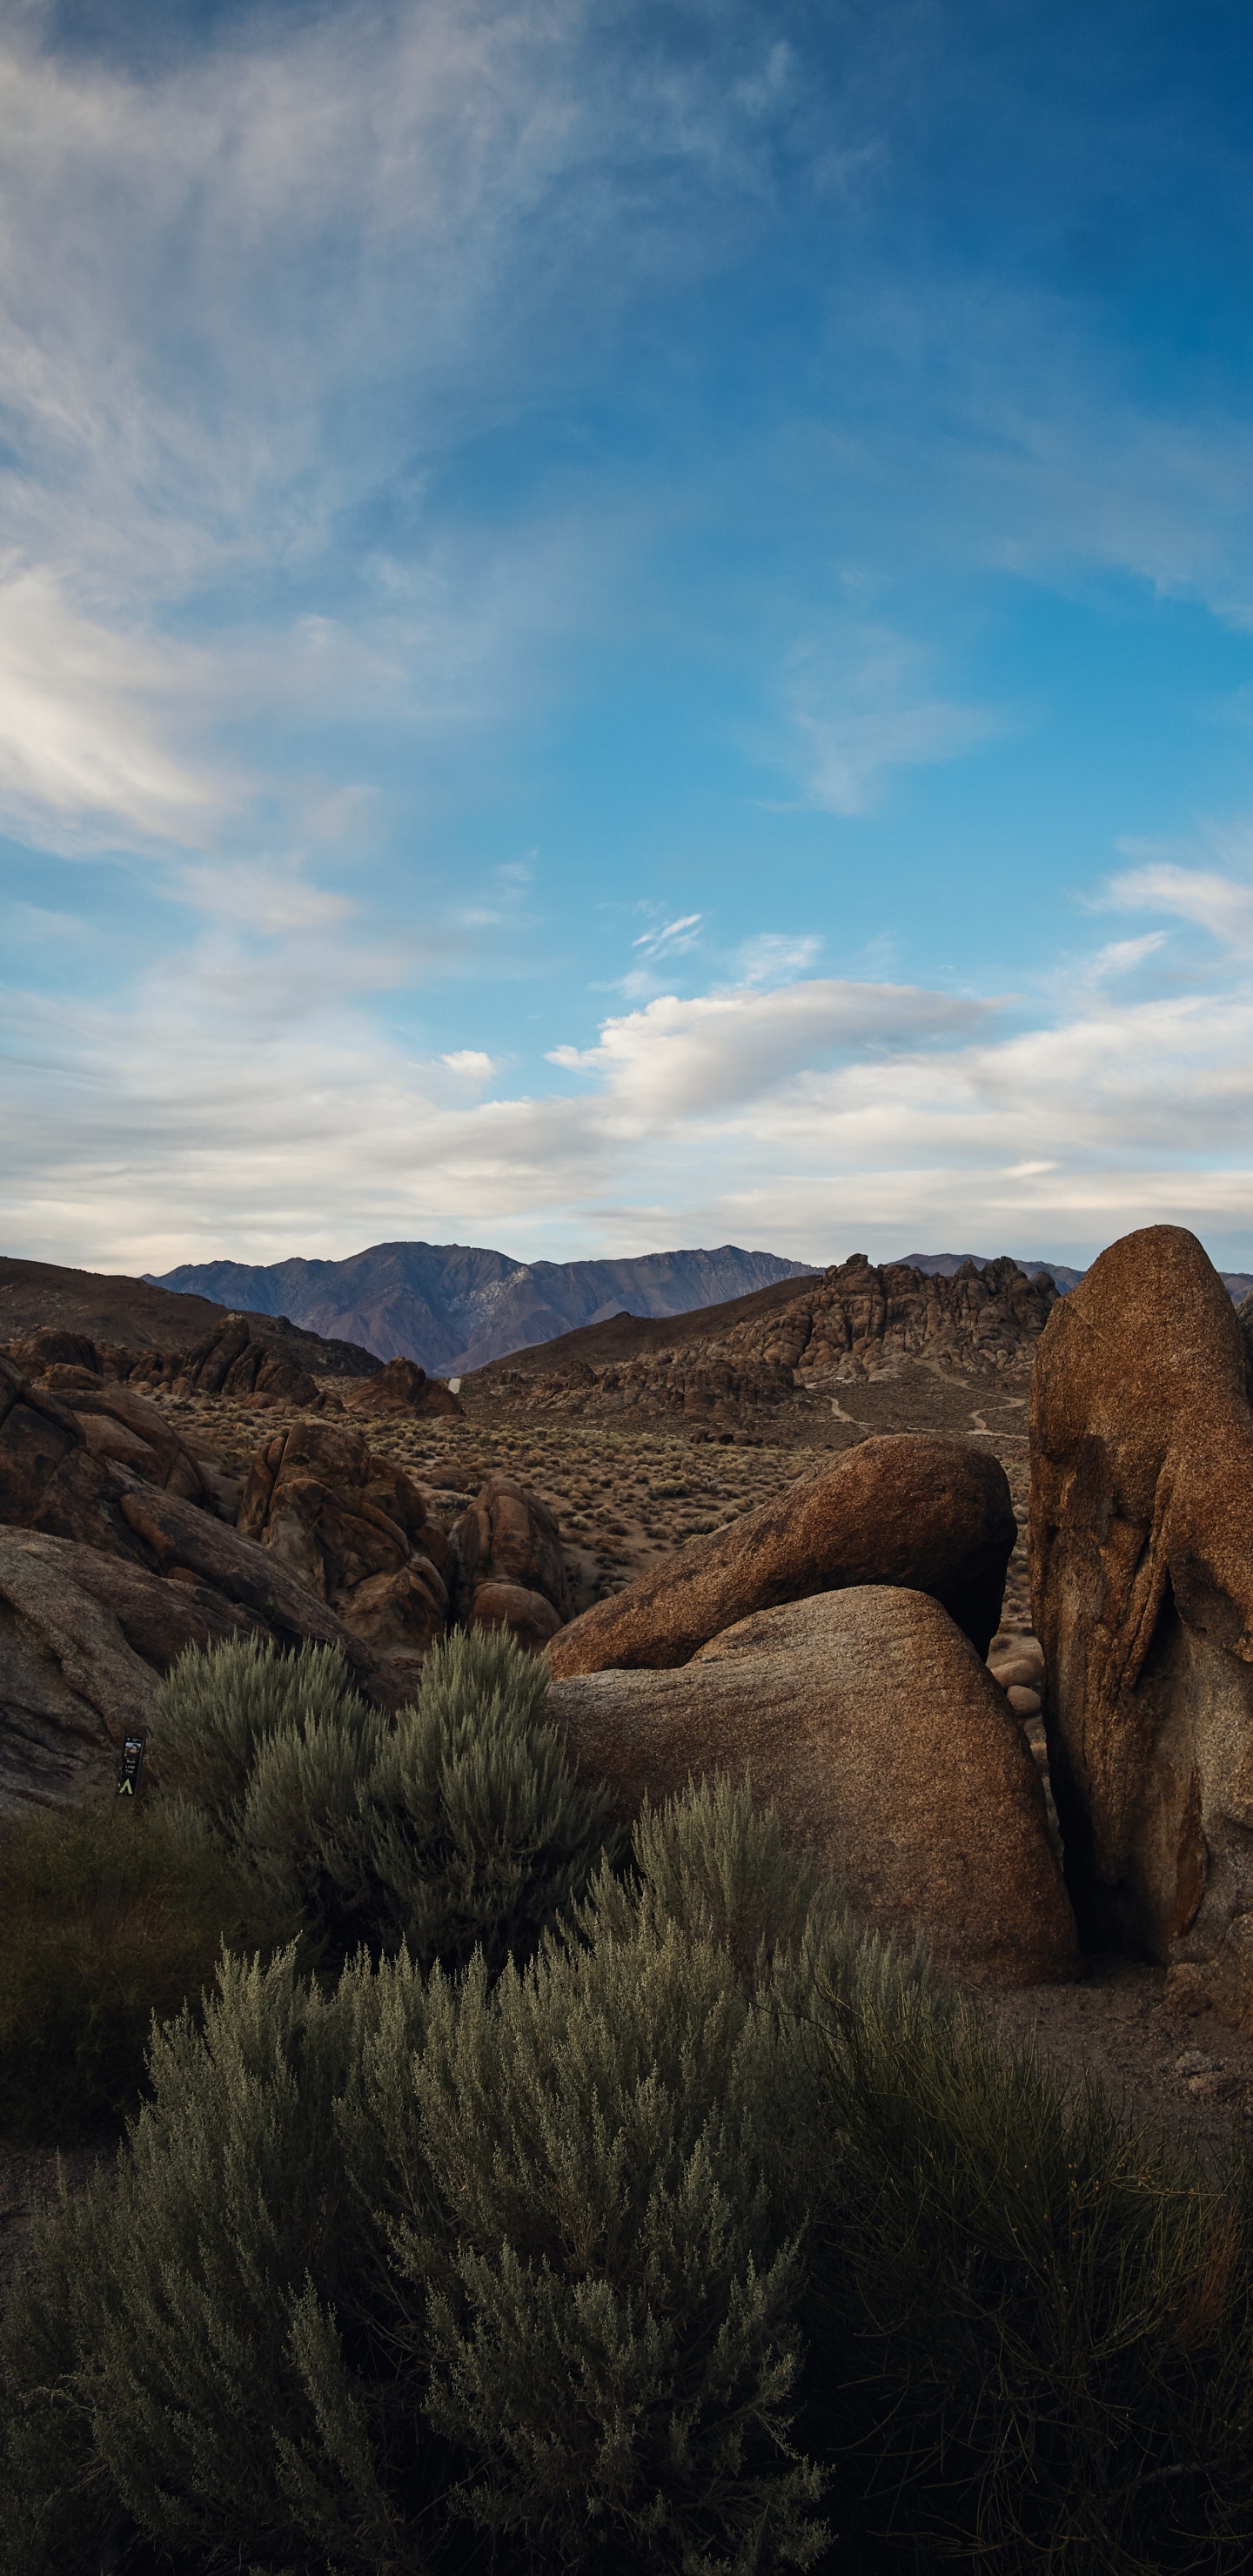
430	2254
1031	2332
473	1830
643	2250
106	1917
462	1825
220	1705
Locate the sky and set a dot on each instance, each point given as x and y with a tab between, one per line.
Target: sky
625	626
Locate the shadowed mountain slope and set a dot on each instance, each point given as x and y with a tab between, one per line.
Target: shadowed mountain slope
141	1315
454	1307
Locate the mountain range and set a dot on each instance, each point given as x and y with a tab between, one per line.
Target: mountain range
455	1306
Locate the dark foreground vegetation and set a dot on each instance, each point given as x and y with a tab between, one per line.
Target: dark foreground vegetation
515	2199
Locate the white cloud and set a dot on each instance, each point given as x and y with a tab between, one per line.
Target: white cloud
472	1065
772	956
672	940
678	1060
86	715
1222	905
812	1118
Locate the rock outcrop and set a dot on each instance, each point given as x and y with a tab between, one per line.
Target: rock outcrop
108	1526
725	1366
403	1387
930	1514
869	1722
86	1634
49	1478
353	1528
84	1640
507	1568
1142	1572
233	1360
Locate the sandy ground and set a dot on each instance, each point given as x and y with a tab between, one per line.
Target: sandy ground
1184	2077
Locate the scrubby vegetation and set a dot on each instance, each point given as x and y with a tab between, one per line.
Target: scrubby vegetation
601	2208
105	1919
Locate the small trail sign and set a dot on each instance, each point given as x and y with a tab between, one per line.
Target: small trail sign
132	1757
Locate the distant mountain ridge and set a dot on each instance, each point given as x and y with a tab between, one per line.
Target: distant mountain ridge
453	1306
456	1307
945	1265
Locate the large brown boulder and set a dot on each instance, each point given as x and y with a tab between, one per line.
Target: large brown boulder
117	1423
1142	1578
84	1640
354	1528
35	1353
868	1721
506	1564
929	1513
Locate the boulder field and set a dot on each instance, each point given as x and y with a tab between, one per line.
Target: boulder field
836	1642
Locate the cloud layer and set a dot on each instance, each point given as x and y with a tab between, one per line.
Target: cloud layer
809	1118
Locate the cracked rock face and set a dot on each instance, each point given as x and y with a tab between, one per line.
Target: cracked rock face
868	1721
1142	1578
355	1529
507	1566
108	1569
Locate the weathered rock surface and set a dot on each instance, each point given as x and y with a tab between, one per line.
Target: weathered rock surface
869	1722
85	1637
234	1360
931	1514
403	1387
1142	1572
724	1366
109	1524
49	1479
355	1529
507	1568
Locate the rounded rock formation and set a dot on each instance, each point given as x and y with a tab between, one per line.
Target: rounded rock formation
928	1513
868	1721
1142	1575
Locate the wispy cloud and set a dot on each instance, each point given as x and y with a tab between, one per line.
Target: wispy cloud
1217	903
773	955
860	708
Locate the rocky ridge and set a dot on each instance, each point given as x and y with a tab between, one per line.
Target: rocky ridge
123	1316
854	1325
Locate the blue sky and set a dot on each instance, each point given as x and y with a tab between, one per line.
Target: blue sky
626	625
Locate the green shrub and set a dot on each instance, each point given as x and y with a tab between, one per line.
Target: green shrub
473	1830
1031	2330
155	2347
424	2256
616	2255
463	1825
219	1706
106	1917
